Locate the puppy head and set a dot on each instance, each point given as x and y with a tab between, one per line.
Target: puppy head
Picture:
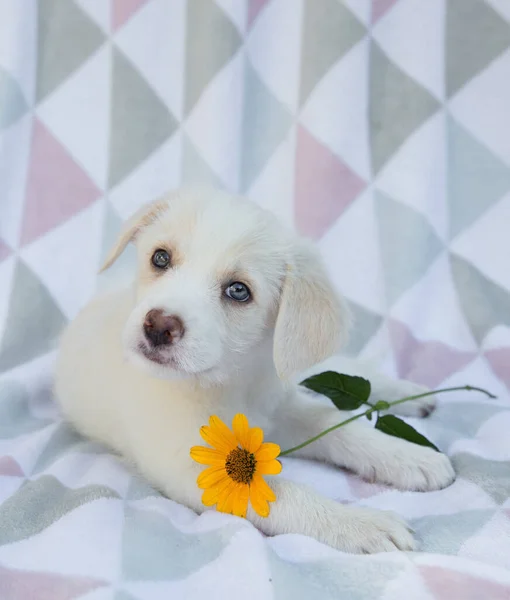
217	275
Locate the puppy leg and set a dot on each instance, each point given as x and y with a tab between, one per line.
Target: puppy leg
359	447
384	387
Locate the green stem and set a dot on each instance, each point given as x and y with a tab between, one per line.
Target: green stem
466	388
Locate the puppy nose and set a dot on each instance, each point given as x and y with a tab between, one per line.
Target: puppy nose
162	329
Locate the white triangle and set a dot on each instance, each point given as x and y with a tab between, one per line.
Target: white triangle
416	173
352	254
362	9
378	352
236	11
482	106
84	130
18	44
99	11
154	40
66	259
15	145
486	244
274	48
156	176
214	124
412	34
6	274
430	308
274	187
497	338
96	524
502	7
336	111
490	543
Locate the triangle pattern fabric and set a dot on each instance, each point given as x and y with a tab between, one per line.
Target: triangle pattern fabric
330	30
254	8
194	168
477	179
12	101
475	35
380	8
408	245
366	324
391	123
212	40
99	11
123	10
57	188
266	123
324	186
67	36
499	359
32	310
4	250
140	121
485	304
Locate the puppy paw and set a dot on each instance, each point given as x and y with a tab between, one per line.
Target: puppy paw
368	531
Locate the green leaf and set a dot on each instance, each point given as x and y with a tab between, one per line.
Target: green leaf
346	392
397	428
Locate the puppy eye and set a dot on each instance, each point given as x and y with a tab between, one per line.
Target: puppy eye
161	259
238	291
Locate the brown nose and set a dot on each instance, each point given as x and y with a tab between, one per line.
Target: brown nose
161	329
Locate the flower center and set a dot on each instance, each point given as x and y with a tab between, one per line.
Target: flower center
240	465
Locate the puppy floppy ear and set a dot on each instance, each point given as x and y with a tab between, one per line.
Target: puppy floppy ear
312	320
141	218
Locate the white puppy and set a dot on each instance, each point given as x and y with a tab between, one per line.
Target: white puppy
226	309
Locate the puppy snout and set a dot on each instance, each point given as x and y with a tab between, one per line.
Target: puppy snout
161	329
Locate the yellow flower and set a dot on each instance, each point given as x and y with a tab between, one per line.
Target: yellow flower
237	462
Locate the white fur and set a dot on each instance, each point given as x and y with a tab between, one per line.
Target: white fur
233	358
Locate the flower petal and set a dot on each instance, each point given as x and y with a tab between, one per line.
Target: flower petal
207	456
261	486
211	477
269	467
267	451
255	439
258	502
241	429
240	501
218	435
226	498
211	496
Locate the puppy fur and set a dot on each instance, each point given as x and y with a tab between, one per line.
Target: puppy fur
149	404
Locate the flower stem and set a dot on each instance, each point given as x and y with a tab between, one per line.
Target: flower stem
465	388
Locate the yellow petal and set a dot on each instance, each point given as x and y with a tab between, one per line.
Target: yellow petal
210	496
226	498
241	429
207	456
269	467
258	502
267	451
255	439
240	500
218	435
211	476
261	486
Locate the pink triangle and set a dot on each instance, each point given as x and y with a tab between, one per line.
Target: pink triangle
499	360
9	467
446	584
325	186
57	187
43	586
254	8
429	362
380	8
122	10
4	250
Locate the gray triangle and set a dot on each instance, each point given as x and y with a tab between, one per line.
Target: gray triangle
211	41
484	303
408	243
476	178
195	169
12	102
140	121
493	476
398	106
475	35
330	31
365	325
123	595
33	323
67	36
266	123
112	226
